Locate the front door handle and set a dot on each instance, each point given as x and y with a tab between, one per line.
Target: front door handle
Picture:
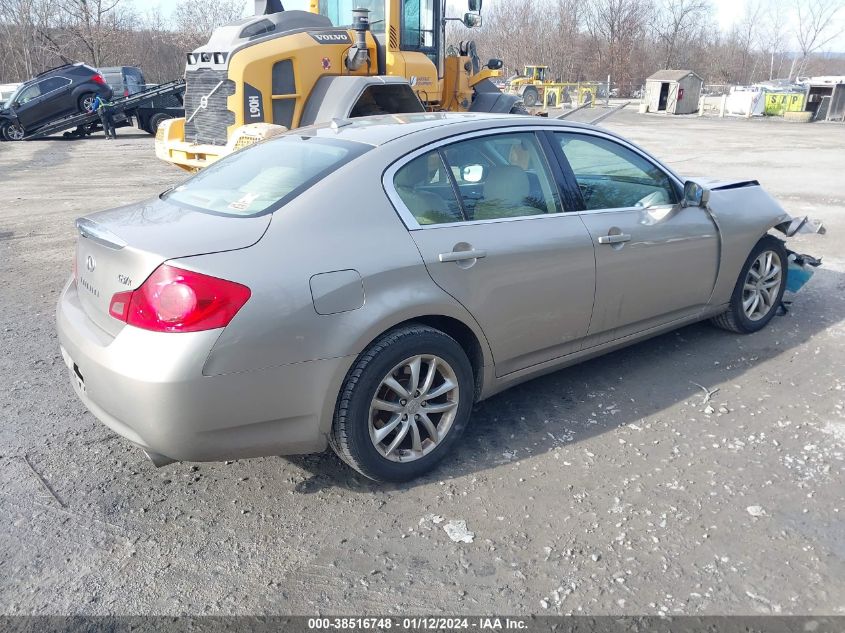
460	256
614	239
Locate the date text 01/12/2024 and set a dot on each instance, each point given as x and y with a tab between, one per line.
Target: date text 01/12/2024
417	623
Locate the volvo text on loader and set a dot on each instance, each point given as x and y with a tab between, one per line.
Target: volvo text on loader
280	70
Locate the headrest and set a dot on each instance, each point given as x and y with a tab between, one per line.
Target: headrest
508	184
414	174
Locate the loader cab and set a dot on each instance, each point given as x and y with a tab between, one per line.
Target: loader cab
340	12
536	73
402	27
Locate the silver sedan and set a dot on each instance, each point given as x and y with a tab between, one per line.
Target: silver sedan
362	284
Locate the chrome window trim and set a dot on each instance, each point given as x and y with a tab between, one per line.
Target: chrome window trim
69	82
411	222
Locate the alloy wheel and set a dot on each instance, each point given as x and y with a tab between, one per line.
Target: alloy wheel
414	408
762	285
14	132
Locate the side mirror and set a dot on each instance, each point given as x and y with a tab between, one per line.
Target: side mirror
472	173
495	64
16	104
695	195
471	20
474	5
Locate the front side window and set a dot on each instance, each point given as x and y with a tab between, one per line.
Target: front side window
28	94
611	176
263	177
502	176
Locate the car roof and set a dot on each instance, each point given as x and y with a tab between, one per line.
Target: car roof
385	128
58	70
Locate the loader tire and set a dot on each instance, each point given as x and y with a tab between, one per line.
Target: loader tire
530	96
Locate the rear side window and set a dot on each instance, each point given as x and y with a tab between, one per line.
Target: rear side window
54	83
425	188
262	178
502	176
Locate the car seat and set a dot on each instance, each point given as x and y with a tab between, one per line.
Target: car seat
506	195
427	207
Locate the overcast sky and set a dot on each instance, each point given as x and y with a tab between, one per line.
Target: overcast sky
728	12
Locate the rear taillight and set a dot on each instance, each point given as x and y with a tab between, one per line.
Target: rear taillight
176	300
126	92
98	79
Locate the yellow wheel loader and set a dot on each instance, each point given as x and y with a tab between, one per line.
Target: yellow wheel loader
280	70
535	89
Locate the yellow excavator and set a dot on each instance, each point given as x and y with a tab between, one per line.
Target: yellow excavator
280	70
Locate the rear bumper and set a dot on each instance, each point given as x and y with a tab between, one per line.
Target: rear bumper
149	388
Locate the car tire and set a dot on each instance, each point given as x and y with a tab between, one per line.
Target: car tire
388	437
155	121
12	132
530	96
759	289
83	104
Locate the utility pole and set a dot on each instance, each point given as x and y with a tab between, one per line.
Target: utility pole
607	94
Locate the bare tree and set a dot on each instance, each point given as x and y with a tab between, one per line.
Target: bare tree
774	35
676	23
816	27
26	45
617	27
196	20
97	26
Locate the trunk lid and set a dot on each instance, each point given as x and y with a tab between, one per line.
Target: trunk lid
118	249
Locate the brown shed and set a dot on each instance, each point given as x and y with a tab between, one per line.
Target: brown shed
673	91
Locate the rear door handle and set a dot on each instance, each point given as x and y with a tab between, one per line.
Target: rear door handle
460	256
614	239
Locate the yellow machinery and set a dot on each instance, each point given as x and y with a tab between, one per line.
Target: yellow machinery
284	69
536	89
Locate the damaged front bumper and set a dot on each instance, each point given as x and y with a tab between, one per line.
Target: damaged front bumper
801	266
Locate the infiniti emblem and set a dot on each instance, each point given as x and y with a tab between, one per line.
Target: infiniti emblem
90	263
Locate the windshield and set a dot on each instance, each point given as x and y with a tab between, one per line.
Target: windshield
263	177
340	12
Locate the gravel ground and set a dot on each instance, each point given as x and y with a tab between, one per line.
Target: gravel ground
610	487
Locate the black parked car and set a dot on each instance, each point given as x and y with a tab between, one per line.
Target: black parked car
53	94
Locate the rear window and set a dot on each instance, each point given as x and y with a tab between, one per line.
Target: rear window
263	177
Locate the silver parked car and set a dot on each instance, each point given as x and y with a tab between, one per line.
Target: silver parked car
362	284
